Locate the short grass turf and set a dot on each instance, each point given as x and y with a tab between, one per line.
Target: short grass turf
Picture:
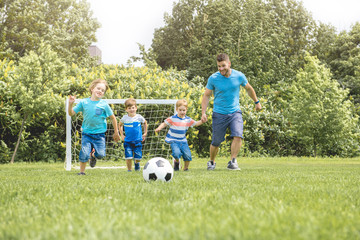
270	198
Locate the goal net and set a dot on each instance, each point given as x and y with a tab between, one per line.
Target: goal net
155	111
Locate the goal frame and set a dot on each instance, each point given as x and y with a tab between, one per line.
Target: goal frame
68	158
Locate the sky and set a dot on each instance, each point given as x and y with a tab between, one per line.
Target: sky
124	23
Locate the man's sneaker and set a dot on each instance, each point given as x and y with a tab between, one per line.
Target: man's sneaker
92	159
81	173
232	165
137	166
176	166
211	165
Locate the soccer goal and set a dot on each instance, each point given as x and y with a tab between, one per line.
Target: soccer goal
155	111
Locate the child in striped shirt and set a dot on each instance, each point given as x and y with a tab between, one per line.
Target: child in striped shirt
176	136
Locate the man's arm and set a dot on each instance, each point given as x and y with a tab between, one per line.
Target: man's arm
252	94
205	103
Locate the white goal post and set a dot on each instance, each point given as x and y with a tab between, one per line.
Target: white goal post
155	111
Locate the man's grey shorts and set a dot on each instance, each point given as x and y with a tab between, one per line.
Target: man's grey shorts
220	122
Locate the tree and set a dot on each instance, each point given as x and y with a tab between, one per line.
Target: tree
265	39
8	114
37	83
344	61
67	26
323	42
320	112
147	57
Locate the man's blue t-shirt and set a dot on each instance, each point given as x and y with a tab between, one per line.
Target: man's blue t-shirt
226	91
94	114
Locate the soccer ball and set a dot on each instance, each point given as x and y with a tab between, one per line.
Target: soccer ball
158	169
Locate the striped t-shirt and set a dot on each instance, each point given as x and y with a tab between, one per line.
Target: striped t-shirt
178	128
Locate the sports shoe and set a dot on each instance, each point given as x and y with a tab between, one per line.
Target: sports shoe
211	165
186	169
179	164
176	166
137	166
92	159
232	165
81	173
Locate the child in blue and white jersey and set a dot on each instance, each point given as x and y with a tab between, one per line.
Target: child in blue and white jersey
176	136
133	138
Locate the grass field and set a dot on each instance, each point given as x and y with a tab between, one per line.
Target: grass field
270	198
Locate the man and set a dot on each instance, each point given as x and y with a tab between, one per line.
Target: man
226	113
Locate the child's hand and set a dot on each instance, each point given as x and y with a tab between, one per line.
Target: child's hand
116	137
144	136
157	130
72	99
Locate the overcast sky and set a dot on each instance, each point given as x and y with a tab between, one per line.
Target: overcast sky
126	23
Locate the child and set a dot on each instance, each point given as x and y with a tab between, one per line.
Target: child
95	111
176	135
133	134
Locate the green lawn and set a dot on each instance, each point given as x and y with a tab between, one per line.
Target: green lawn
270	198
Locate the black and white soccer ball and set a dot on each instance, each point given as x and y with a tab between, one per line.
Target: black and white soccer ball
158	169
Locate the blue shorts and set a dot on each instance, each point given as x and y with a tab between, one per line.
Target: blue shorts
133	150
181	149
220	122
90	141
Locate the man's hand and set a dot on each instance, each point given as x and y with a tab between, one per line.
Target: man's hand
258	107
204	118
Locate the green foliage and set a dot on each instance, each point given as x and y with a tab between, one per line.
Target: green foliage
344	60
67	26
9	116
320	113
265	40
35	87
323	42
5	152
147	57
39	81
271	198
267	133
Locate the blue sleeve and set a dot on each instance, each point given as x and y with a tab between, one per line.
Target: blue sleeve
108	110
78	107
210	84
244	80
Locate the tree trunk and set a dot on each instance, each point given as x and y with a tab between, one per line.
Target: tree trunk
19	138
